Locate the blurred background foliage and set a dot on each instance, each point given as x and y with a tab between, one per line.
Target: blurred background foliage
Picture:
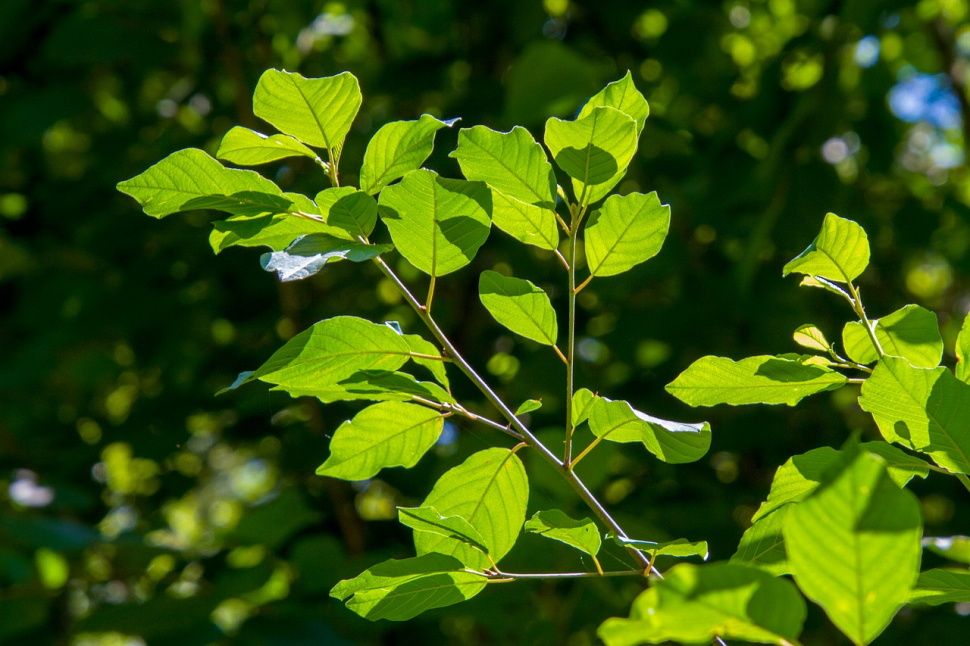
136	508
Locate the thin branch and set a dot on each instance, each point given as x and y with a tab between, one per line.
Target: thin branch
561	355
572	465
562	258
571	342
861	311
583	284
562	575
461	410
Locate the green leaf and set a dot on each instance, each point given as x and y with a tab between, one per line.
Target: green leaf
678	548
276	231
427	519
809	336
489	490
317	111
438	224
672	442
912	332
375	385
710	381
695	603
308	254
763	545
925	409
625	97
388	434
942	586
582	404
511	163
854	546
190	179
528	406
801	475
593	150
535	225
398	148
554	524
250	148
402	589
348	210
963	352
840	252
519	305
954	548
624	232
331	351
419	345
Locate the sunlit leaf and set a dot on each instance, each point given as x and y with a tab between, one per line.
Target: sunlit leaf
927	409
387	434
593	150
912	332
276	231
519	305
625	97
942	586
528	223
308	254
374	385
809	336
402	589
840	252
582	404
763	546
396	149
854	546
678	548
250	148
427	519
695	603
581	534
710	381
438	224
317	111
489	490
624	232
528	406
963	352
673	442
348	209
954	548
419	345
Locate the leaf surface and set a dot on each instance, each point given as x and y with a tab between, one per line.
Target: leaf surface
809	336
963	352
348	210
942	586
624	96
553	523
396	149
250	148
624	232
763	545
680	547
528	406
840	252
673	442
427	519
519	305
912	332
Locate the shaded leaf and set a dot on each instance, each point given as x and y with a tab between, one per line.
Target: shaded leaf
388	434
840	252
624	232
419	345
489	490
308	254
347	209
954	548
912	332
398	148
427	519
375	385
402	589
763	545
554	524
625	97
250	148
963	352
710	381
519	305
942	586
673	442
276	231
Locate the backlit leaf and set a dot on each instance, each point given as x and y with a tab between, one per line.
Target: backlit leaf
673	442
348	209
678	548
519	305
250	148
528	406
396	149
809	336
912	332
763	545
427	519
942	586
582	403
276	231
528	223
625	97
840	252
581	534
710	381
624	232
963	352
374	385
387	434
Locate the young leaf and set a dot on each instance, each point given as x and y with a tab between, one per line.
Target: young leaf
427	519
809	336
511	163
308	254
924	409
528	406
954	548
912	332
276	231
554	524
388	434
763	546
318	111
528	223
710	381
519	305
678	548
398	148
348	210
854	546
625	97
695	603
489	490
190	179
402	589
840	252
942	586
624	232
593	150
582	404
963	352
250	148
672	442
438	224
